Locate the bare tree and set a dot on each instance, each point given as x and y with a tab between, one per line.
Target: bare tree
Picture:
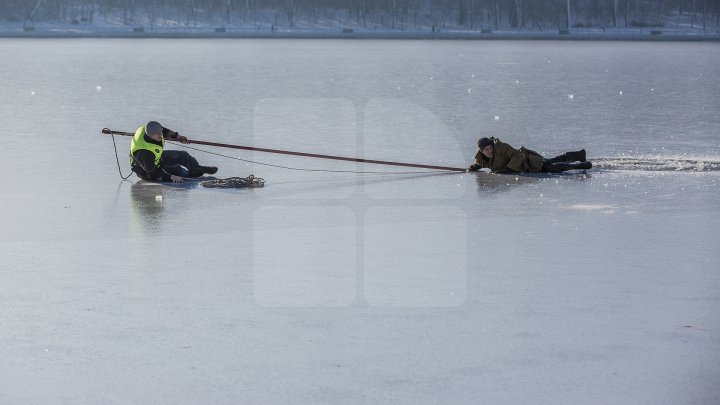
128	11
614	7
248	8
516	13
31	15
290	9
497	14
568	15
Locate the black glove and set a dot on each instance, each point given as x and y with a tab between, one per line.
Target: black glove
505	170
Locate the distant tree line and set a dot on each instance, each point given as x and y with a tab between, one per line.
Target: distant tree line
386	14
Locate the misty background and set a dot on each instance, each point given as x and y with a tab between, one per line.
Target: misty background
536	15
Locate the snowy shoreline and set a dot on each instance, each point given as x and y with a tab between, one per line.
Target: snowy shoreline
229	33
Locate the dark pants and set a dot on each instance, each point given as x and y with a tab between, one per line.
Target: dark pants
566	161
180	163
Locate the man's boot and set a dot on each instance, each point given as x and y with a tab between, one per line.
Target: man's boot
578	156
563	166
209	169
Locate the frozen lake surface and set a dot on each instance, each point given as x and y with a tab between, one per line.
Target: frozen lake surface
340	287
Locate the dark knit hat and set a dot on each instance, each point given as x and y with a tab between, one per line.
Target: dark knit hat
483	142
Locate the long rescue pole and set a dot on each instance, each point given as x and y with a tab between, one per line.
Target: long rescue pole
312	155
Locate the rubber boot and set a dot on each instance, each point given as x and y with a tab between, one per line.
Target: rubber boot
209	169
578	156
558	167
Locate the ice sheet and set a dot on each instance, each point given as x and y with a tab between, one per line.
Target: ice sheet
595	287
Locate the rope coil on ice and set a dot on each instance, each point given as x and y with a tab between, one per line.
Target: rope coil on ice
235	182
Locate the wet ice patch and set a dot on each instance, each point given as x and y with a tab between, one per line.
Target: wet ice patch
606	209
677	164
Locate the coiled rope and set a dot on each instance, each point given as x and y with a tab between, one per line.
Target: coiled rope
235	182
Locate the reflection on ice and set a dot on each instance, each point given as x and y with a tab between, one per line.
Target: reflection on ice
494	182
147	205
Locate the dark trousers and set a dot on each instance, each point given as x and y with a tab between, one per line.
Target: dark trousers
566	161
180	163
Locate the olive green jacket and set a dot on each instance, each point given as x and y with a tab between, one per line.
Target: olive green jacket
507	157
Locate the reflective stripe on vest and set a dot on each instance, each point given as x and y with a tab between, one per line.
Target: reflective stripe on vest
139	142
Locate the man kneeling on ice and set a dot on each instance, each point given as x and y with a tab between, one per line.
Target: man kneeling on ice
500	157
150	162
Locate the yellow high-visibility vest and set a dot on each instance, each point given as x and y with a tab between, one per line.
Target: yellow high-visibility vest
139	142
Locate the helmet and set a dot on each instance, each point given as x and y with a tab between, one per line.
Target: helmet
153	127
